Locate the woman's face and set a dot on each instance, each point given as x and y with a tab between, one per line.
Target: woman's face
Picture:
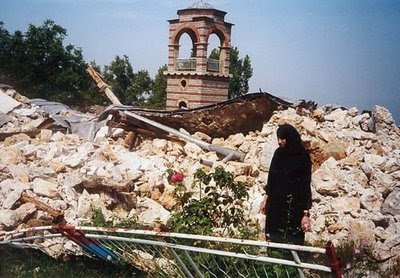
281	142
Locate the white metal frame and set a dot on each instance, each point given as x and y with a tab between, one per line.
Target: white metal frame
128	243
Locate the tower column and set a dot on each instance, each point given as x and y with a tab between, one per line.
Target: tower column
201	58
173	54
225	59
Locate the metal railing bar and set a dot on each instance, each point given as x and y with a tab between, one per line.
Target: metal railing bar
193	264
265	272
296	257
226	267
26	230
8	241
215	252
146	249
186	64
16	238
157	253
245	268
11	236
287	273
111	246
211	238
213	65
127	256
23	245
181	263
297	260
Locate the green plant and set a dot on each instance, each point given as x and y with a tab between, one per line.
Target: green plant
16	262
98	220
216	209
357	257
289	232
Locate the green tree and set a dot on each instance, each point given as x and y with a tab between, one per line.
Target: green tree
12	56
38	64
247	73
140	89
241	71
5	50
214	54
158	96
119	75
129	87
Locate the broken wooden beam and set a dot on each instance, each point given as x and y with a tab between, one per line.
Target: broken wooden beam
102	85
30	133
227	152
58	216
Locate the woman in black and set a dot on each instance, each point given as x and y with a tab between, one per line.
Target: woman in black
288	189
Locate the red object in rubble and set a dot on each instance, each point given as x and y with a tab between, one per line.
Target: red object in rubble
176	177
334	260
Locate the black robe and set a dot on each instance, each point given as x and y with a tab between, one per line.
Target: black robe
289	192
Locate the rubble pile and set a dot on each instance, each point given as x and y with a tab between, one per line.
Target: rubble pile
355	181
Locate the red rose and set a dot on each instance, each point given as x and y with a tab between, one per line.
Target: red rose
176	177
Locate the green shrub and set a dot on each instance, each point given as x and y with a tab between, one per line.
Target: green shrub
216	209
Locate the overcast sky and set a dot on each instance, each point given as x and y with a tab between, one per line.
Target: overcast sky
344	52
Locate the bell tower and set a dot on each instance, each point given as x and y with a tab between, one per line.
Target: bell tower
198	81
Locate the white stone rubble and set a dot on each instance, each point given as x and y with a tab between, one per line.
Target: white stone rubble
355	181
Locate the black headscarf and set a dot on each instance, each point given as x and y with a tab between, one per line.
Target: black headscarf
292	137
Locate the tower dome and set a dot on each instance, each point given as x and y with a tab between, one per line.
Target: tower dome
200	5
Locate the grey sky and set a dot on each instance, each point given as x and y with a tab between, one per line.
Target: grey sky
344	52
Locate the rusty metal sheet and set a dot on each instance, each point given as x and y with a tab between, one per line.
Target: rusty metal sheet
240	115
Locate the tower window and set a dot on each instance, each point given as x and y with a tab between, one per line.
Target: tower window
182	104
184	83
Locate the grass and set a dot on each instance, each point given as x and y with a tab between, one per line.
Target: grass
33	263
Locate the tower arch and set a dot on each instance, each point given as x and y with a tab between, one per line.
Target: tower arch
188	29
223	37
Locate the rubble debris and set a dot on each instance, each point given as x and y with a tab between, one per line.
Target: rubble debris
7	103
242	114
49	107
4	119
56	215
363	174
30	133
228	153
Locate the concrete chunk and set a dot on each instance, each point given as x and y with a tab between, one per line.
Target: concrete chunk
7	104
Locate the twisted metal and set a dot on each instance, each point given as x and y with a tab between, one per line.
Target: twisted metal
172	254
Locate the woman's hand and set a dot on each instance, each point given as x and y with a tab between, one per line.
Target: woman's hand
263	205
306	223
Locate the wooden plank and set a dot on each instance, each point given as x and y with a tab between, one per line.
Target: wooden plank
30	133
58	216
102	85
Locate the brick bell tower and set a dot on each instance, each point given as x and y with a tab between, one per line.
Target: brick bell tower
198	81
